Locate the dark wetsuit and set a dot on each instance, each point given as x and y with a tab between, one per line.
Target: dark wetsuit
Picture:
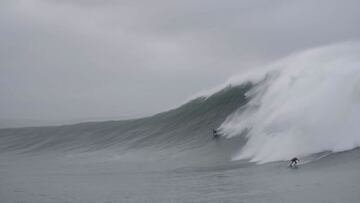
293	162
215	134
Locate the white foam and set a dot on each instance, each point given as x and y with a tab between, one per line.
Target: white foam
307	103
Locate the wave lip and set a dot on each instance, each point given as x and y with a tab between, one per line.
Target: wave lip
305	104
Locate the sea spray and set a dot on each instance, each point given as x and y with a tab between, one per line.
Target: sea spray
306	103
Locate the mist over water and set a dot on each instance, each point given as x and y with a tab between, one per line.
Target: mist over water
306	103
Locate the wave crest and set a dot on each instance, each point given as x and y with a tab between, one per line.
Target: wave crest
306	103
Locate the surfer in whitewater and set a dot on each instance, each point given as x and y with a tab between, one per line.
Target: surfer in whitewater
215	134
293	162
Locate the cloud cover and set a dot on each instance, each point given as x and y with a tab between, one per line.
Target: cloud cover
74	59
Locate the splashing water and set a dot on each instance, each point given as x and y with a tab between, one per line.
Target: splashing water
304	104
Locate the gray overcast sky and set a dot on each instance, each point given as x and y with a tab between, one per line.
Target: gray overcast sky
63	60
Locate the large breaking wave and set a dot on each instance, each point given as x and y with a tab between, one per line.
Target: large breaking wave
304	104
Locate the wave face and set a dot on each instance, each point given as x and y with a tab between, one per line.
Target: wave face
185	128
304	104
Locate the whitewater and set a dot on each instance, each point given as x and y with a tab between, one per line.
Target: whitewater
305	105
